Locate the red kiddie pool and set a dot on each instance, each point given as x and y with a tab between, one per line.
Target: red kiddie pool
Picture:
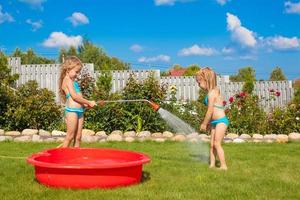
84	168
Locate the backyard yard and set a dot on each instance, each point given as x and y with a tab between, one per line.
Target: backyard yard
176	171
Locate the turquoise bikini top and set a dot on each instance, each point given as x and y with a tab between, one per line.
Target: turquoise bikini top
76	87
216	106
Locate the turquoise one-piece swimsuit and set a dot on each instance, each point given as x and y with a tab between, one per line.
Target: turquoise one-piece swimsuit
78	111
220	120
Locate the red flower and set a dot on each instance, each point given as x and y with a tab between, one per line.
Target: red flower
231	99
277	93
242	94
224	103
239	103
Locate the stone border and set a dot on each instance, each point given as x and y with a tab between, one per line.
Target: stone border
33	135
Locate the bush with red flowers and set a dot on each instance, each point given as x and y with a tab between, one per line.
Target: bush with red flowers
245	114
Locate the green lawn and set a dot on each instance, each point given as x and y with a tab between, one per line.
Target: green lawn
256	171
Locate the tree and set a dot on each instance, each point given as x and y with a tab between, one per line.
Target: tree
191	70
6	81
244	74
90	53
29	57
277	75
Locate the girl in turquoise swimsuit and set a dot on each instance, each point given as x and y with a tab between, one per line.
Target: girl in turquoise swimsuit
75	104
215	117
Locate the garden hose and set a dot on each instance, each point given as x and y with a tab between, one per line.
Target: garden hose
12	157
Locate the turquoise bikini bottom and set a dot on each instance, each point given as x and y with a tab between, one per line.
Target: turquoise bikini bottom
220	120
78	111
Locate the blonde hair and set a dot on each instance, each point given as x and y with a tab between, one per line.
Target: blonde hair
208	76
69	63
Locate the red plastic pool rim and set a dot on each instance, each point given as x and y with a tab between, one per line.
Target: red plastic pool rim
84	168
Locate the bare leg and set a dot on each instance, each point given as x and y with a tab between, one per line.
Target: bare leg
79	132
219	135
71	120
212	149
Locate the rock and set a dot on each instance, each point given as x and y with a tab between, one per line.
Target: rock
203	139
238	140
115	137
44	133
245	137
294	136
144	134
25	138
88	132
129	139
13	133
179	138
30	132
257	138
116	132
227	140
269	138
193	140
1	132
167	134
156	135
49	139
58	133
88	138
203	136
192	135
281	138
232	136
159	139
129	134
59	139
102	140
101	134
5	138
36	138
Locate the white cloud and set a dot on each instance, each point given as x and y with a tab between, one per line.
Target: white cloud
59	39
164	2
34	3
170	2
35	25
222	2
5	17
78	18
195	50
283	43
159	58
292	7
136	48
227	50
239	33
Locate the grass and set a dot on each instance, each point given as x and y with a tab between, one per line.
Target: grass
256	171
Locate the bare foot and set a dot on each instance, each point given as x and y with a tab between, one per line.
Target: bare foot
212	166
223	168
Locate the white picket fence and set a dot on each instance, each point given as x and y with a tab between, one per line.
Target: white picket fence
47	76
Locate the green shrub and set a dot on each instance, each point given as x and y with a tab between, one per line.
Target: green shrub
245	115
285	120
6	91
32	108
127	116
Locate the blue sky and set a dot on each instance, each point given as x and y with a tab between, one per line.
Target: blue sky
223	34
